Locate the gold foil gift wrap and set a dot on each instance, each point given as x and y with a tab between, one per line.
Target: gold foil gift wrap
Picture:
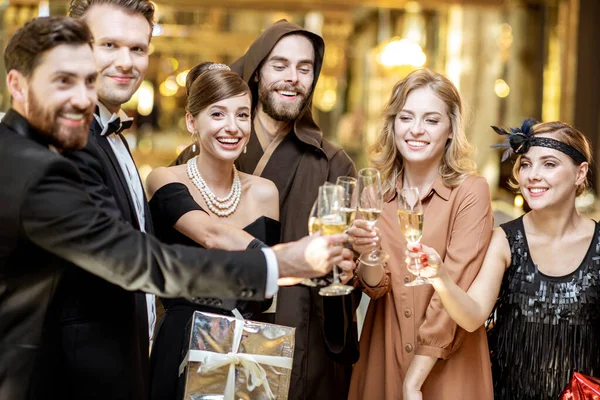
231	358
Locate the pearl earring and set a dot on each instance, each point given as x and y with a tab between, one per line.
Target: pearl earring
194	142
245	149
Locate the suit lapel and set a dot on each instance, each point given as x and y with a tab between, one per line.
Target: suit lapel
106	147
149	227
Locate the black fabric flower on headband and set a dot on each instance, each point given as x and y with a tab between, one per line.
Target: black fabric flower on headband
518	140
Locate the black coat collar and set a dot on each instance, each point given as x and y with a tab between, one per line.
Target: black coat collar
20	125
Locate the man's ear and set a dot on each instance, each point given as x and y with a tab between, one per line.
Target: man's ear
256	76
18	86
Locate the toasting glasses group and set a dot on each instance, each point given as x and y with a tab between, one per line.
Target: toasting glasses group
335	209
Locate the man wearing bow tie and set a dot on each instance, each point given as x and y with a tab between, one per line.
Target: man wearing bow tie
116	322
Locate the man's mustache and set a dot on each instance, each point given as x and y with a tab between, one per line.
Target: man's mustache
290	88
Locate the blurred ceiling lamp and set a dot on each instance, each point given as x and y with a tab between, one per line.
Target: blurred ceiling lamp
455	63
325	96
169	64
145	98
43	9
501	88
181	77
519	201
169	87
313	21
157	30
405	50
398	52
414	23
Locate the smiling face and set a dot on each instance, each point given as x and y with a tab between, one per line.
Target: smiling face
223	128
549	178
121	43
286	78
61	95
422	128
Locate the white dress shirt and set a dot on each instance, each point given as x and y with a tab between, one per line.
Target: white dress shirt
134	184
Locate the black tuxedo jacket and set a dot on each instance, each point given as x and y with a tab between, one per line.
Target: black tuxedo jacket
49	224
105	325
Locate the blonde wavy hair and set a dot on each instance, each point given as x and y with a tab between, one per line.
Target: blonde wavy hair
456	162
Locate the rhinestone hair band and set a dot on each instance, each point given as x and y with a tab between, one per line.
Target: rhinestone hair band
218	66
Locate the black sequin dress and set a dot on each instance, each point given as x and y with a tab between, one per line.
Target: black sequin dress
167	205
545	327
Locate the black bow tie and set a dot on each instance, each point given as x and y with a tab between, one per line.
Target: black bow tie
117	126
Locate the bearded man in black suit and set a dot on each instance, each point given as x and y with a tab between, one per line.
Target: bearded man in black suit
50	228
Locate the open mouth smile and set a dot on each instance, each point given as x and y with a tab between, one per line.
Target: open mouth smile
416	144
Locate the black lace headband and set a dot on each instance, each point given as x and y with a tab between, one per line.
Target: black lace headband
520	140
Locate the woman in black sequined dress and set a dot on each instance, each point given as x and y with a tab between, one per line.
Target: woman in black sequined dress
539	287
186	208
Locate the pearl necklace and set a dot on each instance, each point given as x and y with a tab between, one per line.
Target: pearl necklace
220	206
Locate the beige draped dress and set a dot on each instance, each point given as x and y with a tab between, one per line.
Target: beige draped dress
403	321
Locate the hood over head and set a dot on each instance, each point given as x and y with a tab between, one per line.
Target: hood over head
247	66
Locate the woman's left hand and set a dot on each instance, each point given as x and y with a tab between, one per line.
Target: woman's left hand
429	259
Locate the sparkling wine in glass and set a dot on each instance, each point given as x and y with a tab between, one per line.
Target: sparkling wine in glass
314	226
410	219
350	197
370	206
332	221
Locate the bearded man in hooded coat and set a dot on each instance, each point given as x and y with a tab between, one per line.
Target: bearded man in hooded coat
287	147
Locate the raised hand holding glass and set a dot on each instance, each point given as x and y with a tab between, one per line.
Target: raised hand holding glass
410	219
370	206
332	221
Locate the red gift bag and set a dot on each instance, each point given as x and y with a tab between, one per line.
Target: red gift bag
582	387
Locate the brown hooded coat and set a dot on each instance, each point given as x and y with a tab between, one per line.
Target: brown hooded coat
326	338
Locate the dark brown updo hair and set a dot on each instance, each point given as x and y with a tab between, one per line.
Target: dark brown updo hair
208	83
565	133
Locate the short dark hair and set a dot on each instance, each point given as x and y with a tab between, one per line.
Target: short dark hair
26	47
205	86
78	8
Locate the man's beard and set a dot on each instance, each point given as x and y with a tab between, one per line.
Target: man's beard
277	109
62	137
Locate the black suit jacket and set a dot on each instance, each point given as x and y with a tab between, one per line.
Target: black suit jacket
103	324
49	224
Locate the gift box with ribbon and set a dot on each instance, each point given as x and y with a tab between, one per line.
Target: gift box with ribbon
582	387
231	358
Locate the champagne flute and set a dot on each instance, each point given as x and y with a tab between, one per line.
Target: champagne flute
332	221
314	226
370	206
349	199
410	218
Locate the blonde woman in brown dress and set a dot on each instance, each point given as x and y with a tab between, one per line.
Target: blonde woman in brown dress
410	348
